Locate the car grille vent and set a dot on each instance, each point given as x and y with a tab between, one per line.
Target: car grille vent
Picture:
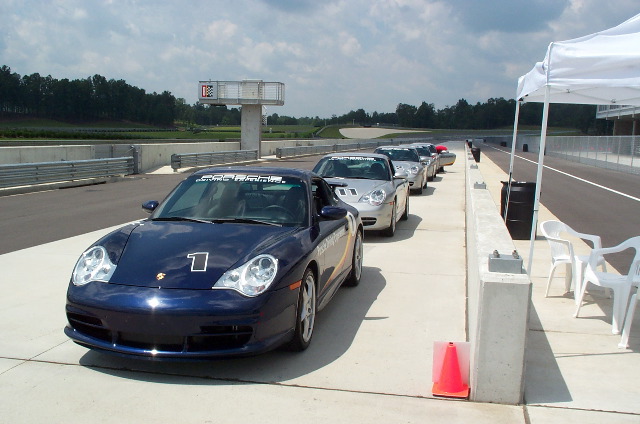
368	221
210	338
347	192
89	325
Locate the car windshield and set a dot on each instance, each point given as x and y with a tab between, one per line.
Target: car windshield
224	198
400	154
423	150
359	167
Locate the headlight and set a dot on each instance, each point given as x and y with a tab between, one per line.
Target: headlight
375	198
252	278
93	265
414	170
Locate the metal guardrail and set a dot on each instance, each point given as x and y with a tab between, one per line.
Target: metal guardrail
16	175
287	152
182	160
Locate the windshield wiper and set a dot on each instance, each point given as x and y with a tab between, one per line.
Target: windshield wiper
181	218
244	221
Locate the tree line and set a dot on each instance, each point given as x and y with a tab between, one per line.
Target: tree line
90	99
498	113
96	98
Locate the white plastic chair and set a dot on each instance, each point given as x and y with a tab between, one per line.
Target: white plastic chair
562	253
620	284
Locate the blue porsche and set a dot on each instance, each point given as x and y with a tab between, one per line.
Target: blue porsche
234	261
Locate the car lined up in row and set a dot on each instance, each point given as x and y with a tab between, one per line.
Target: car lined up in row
372	184
378	184
237	261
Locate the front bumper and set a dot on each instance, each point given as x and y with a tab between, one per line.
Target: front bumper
416	181
178	323
375	217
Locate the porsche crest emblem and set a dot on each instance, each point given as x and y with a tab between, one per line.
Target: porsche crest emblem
160	276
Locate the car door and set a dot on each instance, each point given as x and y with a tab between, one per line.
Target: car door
333	243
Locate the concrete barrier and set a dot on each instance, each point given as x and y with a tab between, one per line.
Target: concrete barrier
34	154
498	302
155	155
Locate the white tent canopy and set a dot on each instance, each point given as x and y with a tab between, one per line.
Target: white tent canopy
601	68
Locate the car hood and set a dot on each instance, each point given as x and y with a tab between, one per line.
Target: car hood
189	255
356	188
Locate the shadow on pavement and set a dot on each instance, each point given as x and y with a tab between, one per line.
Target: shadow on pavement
544	380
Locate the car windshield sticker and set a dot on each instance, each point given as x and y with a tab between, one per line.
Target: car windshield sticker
353	158
242	178
198	261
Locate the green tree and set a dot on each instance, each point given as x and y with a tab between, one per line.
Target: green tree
406	115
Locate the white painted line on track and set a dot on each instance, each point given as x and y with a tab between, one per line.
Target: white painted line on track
572	176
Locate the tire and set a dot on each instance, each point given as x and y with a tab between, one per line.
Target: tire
405	215
306	313
356	262
391	230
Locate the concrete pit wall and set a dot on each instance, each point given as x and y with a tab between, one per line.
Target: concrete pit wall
498	302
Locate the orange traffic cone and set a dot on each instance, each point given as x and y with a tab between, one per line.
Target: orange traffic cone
450	383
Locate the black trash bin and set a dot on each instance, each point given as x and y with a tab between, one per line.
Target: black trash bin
520	211
475	151
525	147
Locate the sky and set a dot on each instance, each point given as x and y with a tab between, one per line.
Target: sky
333	56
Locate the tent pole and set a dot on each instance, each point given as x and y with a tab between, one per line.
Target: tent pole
536	207
513	153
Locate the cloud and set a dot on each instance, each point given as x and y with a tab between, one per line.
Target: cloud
507	15
333	56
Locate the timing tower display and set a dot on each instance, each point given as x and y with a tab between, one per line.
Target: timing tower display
251	95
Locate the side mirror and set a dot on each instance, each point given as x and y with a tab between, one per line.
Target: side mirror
150	206
333	212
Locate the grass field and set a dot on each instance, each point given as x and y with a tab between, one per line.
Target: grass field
15	130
